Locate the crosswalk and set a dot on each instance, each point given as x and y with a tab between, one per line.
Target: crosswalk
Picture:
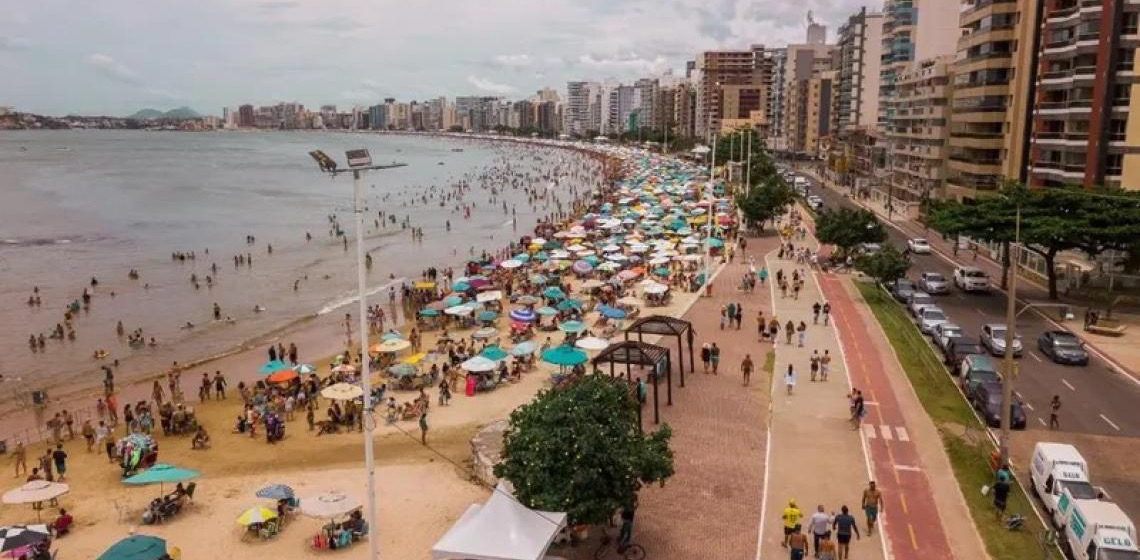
885	432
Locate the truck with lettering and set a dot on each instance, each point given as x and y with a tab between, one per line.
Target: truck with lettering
1055	468
1097	530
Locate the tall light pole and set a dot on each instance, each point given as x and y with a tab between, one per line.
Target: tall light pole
360	161
1010	368
748	165
711	215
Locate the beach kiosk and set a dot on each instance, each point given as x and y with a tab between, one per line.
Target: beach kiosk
500	529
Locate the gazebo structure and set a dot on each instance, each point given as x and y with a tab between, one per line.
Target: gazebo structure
632	352
667	326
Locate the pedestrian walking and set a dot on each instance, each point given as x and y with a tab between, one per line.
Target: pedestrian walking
219	385
746	368
59	457
797	544
790	379
761	325
789	330
872	505
706	354
791	519
819	525
826	313
1054	408
423	426
763	274
88	432
814	364
20	459
815	309
739	315
844	524
724	311
714	357
1001	489
824	364
826	550
858	408
801	333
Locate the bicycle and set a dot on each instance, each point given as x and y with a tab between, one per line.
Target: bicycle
630	551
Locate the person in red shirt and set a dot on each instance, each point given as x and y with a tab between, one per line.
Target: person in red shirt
62	524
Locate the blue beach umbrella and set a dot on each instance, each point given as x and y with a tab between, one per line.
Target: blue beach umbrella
539	279
136	547
272	366
714	242
547	311
523	257
390	335
541	256
612	312
461	286
494	353
661	271
429	313
275	492
572	327
568	303
523	315
524	349
487	316
563	356
452	301
553	292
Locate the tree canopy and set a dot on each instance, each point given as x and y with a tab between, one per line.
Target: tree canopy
579	449
765	200
846	228
886	266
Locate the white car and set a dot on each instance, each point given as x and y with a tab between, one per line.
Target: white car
944	333
815	202
930	317
918	246
971	279
917	300
933	283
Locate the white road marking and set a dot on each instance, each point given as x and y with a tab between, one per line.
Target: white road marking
887	435
1026	405
869	431
1034	356
980	312
1071	388
903	436
1110	423
1042	422
907	468
870	403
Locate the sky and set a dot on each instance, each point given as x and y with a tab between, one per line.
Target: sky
113	57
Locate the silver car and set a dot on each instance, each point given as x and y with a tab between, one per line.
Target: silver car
944	333
933	283
930	317
917	300
993	338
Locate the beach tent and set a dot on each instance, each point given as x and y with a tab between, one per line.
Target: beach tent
500	529
136	547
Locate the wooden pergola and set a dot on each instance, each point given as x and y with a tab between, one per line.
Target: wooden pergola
667	326
632	352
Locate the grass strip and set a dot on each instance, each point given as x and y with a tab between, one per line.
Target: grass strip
969	455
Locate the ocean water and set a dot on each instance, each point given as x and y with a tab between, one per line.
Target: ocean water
77	205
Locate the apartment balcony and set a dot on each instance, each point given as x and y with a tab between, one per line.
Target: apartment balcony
977	140
987	35
1062	139
1063	171
982	10
976	166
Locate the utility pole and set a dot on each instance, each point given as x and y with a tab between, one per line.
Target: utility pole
712	217
1009	374
748	166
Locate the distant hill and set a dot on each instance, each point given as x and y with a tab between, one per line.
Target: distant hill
154	114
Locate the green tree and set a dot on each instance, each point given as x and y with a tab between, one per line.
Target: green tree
846	228
765	201
579	449
886	266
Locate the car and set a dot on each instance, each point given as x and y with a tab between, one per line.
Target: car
930	316
918	246
902	289
986	399
971	279
993	338
957	349
933	283
944	333
870	248
917	300
815	202
1063	347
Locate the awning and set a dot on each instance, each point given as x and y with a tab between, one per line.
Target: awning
500	529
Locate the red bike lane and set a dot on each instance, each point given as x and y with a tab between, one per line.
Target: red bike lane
910	515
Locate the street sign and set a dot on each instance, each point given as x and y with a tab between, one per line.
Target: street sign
358	158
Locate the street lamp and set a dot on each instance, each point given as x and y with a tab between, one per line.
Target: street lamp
1010	371
712	216
360	161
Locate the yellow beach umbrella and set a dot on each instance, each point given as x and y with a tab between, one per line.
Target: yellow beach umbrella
414	358
256	514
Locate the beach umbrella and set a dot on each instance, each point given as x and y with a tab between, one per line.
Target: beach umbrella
452	301
715	243
656	289
487	316
429	313
591	284
494	353
485	332
659	260
391	335
136	547
344	368
528	299
402	370
572	326
538	241
629	300
414	358
523	314
609	266
488	297
392	345
20	536
547	311
275	492
272	366
510	263
576	247
329	504
282	376
612	312
553	292
524	349
541	256
569	303
478	282
256	514
304	369
564	356
539	279
342	392
661	271
35	491
161	473
460	286
582	267
478	364
591	343
459	310
521	257
617	257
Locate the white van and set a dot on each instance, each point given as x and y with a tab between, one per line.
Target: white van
1099	531
1056	468
800	184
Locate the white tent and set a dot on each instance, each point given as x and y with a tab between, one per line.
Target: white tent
500	529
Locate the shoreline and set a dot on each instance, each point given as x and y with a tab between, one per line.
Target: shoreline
24	421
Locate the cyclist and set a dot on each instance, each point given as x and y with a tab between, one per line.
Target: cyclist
625	536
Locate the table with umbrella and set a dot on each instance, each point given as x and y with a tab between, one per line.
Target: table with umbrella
165	506
36	492
329	506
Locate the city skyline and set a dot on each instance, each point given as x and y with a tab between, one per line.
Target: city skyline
128	55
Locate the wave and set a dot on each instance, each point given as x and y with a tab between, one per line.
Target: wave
348	298
41	241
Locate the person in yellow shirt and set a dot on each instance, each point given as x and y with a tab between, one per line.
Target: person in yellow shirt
792	516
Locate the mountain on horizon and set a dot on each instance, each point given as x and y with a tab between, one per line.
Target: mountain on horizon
155	114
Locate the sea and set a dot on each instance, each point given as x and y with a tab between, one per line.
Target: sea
80	205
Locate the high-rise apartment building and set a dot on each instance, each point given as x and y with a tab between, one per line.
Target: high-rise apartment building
1082	130
246	116
378	117
857	60
913	30
918	132
776	98
579	97
645	92
751	67
806	77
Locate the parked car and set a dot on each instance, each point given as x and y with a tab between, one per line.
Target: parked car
1063	347
815	202
976	369
933	283
957	349
870	248
993	338
986	398
944	333
917	300
902	289
929	317
971	279
918	246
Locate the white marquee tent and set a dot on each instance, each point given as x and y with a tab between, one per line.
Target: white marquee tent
500	529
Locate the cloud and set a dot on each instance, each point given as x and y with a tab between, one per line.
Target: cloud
113	69
277	5
628	62
483	84
13	43
514	60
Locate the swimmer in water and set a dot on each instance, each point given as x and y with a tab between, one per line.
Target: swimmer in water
188	325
